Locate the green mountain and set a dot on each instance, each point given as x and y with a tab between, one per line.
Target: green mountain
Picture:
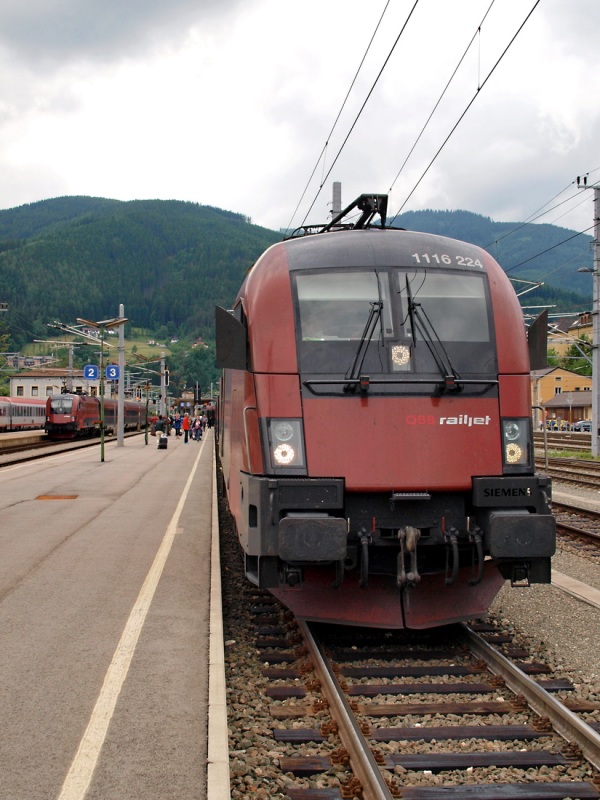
168	262
545	254
171	262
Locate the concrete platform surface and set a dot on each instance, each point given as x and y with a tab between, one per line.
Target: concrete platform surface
105	602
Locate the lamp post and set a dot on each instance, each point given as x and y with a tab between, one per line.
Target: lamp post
102	325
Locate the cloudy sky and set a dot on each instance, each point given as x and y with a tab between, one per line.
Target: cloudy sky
231	103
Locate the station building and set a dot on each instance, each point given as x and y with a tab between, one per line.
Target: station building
54	380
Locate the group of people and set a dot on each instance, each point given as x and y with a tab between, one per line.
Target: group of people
183	425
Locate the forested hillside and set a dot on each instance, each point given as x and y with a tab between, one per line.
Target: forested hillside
168	262
171	262
539	253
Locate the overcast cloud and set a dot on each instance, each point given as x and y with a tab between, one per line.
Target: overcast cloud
230	103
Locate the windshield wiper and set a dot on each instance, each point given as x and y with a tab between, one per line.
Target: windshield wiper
421	322
352	376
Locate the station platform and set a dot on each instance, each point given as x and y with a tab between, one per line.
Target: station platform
11	438
111	667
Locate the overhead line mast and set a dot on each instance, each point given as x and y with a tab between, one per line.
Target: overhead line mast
583	184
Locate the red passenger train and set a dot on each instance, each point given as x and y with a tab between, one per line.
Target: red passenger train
375	427
69	416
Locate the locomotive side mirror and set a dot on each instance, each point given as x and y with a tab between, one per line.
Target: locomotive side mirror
537	341
231	341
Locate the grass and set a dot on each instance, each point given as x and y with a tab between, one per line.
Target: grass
584	455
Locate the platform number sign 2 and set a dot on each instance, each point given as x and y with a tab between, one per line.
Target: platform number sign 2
90	372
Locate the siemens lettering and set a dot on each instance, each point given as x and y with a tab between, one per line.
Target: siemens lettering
507	492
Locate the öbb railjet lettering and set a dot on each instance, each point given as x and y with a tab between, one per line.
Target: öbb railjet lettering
465	419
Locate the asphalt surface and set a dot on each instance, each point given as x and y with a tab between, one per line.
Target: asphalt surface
104	623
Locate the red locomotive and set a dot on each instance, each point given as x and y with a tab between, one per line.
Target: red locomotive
69	416
375	427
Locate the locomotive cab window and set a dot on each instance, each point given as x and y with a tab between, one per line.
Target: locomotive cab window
334	305
61	405
450	313
455	304
428	323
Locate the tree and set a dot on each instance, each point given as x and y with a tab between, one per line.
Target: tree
4	337
196	365
553	357
578	357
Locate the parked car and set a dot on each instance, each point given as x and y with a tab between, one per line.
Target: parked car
583	425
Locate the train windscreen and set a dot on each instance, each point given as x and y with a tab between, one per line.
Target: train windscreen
332	304
396	321
61	405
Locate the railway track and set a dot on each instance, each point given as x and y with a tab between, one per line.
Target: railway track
363	714
15	447
564	440
580	472
580	524
12	451
378	714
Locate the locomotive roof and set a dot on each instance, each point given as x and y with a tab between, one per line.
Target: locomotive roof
352	239
380	247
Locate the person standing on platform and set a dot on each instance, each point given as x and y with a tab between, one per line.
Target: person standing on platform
177	424
185	425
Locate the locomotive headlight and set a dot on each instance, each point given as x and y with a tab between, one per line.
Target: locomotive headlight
284	454
513	453
516	445
283	430
286	445
511	430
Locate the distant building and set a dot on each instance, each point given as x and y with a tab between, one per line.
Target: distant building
563	395
19	361
45	382
565	331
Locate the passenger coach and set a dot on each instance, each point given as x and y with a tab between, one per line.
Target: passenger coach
21	413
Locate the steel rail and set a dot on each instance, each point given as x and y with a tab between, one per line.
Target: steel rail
363	762
564	721
571	509
51	448
593	537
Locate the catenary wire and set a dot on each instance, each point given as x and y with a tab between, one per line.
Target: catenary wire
548	249
323	151
566	211
533	217
441	97
479	88
540	213
371	90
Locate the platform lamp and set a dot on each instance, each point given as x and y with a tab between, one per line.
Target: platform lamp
102	325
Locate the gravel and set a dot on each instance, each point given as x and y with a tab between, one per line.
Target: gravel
567	629
556	628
